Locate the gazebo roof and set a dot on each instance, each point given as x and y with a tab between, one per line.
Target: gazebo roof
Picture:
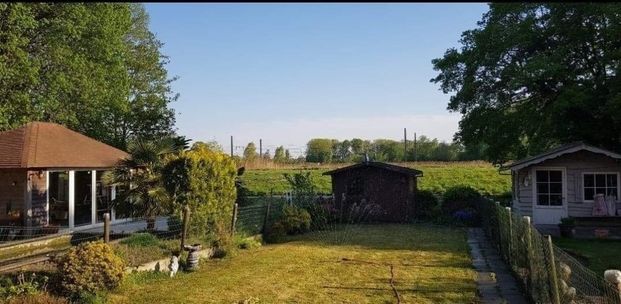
49	145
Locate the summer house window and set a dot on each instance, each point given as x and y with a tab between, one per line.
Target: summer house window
549	187
599	183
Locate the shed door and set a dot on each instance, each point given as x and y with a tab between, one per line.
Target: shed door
550	188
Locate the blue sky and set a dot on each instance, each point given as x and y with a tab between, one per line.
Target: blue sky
289	72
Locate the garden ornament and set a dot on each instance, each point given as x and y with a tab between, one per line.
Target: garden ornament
174	265
192	256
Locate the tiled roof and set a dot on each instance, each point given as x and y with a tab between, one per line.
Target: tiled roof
386	166
50	145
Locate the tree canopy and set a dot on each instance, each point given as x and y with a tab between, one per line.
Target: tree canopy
533	76
96	68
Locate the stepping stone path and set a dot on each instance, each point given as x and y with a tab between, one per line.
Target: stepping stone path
495	284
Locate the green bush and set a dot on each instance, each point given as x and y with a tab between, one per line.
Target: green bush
90	268
295	220
203	179
245	242
23	287
275	233
459	198
427	205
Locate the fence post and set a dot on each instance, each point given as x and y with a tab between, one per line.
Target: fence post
106	227
234	219
553	275
510	242
529	251
498	213
186	223
267	215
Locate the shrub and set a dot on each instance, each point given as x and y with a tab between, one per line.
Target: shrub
219	253
458	198
244	242
427	206
9	289
203	179
90	267
295	220
275	233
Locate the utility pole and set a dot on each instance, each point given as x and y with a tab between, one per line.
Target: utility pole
415	150
261	148
231	145
405	145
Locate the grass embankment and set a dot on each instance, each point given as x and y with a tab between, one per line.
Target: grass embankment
598	255
430	265
437	177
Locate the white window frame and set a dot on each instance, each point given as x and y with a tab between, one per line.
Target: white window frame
534	187
602	172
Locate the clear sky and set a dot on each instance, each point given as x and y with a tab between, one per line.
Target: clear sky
290	72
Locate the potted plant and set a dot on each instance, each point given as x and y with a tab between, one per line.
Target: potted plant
567	227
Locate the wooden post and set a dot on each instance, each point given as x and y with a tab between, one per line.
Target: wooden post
510	241
267	215
529	250
553	275
106	227
234	219
186	223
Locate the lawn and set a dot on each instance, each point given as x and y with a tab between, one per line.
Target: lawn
430	264
437	177
598	255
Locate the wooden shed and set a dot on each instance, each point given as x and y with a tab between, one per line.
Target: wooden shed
391	187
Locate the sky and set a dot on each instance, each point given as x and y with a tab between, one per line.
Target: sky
285	73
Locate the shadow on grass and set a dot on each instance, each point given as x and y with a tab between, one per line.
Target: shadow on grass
425	237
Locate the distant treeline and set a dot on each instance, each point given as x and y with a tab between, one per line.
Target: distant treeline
324	150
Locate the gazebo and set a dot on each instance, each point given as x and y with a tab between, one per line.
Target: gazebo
50	176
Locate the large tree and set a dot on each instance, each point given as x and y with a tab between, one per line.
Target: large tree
533	76
95	68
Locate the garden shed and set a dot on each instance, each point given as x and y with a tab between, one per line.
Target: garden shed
391	187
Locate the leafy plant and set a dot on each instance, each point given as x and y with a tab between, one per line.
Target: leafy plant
140	179
295	220
90	268
24	286
427	205
459	198
203	179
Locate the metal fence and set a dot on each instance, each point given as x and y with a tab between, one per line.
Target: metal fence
546	272
253	219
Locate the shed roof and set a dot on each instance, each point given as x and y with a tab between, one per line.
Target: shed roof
385	166
554	153
50	145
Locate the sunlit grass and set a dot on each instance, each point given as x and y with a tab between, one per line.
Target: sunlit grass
352	265
437	177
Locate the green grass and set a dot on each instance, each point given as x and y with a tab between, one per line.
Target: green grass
438	176
598	255
351	265
142	248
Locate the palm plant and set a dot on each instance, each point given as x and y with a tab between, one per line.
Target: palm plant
139	181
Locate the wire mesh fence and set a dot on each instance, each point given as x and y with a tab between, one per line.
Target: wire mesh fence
253	219
547	273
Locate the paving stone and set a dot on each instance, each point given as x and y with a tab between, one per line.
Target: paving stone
495	284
